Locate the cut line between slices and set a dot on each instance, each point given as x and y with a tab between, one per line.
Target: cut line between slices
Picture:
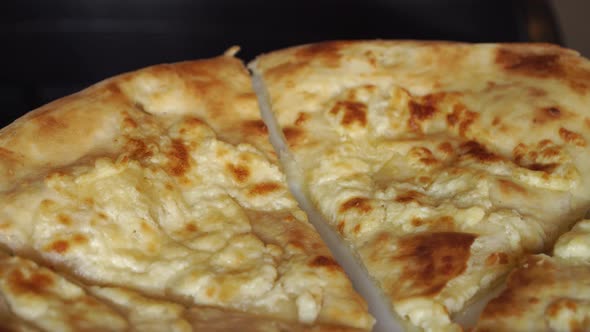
386	319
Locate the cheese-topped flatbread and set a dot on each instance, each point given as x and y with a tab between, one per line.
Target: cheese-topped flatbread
441	164
546	293
155	195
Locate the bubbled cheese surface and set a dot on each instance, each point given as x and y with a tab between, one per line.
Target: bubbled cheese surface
441	164
172	191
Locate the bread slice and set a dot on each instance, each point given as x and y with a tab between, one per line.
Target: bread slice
440	164
155	195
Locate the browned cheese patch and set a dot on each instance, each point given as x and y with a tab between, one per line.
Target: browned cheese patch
354	112
424	156
520	293
293	136
572	137
547	115
138	149
508	187
440	224
548	62
479	152
422	109
64	219
409	197
264	188
36	283
446	148
239	172
531	64
429	261
302	118
178	158
255	127
360	204
325	262
461	118
59	246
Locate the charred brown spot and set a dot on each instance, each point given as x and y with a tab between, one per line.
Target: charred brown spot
539	65
138	150
446	148
427	158
547	168
422	110
360	204
409	196
191	228
572	137
324	261
461	118
264	188
356	229
240	173
546	65
416	222
64	219
255	127
547	114
178	158
496	121
59	246
509	187
478	151
293	135
430	260
80	239
37	282
301	119
354	112
497	258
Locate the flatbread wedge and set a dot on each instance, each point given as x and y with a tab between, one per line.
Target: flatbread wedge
546	293
156	197
441	164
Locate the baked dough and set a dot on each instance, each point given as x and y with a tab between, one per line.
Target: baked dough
155	195
441	164
546	293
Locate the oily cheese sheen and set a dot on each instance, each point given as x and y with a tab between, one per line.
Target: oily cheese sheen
153	201
441	164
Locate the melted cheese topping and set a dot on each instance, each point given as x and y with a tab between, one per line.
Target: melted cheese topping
181	199
438	180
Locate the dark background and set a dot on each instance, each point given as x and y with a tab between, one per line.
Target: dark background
51	48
